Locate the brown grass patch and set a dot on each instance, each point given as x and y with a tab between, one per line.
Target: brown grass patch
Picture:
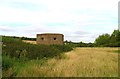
28	41
81	62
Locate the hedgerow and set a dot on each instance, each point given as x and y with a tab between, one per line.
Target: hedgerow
14	47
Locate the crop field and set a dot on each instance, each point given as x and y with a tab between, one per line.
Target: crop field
32	42
80	62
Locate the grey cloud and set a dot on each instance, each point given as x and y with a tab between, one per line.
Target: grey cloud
78	34
82	32
6	29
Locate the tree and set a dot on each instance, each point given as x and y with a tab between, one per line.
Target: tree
112	40
102	40
115	38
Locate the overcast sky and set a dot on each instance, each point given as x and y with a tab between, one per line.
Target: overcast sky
78	20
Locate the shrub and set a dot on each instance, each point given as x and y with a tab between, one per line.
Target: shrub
6	62
14	47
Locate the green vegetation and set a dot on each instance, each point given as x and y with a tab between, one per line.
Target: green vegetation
81	62
106	40
23	38
18	55
80	44
14	47
16	51
116	51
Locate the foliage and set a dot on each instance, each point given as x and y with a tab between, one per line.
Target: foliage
82	62
22	38
15	53
25	38
102	39
107	40
6	62
14	47
11	66
79	44
115	39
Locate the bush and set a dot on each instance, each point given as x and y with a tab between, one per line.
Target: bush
6	62
14	47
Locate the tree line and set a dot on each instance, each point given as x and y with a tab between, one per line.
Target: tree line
22	38
107	40
104	40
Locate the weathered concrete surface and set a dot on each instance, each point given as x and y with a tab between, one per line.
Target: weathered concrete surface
50	38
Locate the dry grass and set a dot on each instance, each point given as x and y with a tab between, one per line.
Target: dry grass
81	62
28	41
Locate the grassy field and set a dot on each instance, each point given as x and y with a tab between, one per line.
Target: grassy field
28	41
81	62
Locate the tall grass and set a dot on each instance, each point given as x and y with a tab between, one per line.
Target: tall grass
11	66
29	60
16	53
14	47
81	62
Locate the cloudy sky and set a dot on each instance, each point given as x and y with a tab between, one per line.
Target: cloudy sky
78	20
